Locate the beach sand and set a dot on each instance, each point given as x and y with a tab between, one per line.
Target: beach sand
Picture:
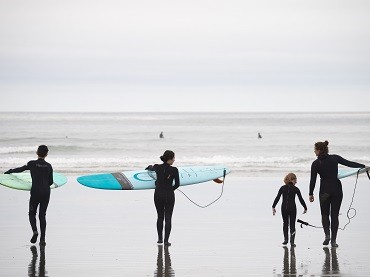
112	233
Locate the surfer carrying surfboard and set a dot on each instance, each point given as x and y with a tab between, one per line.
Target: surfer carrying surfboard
164	195
42	179
331	194
288	207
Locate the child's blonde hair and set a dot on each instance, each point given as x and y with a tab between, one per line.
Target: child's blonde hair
289	178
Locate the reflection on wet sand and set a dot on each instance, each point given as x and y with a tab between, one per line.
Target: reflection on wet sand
32	266
331	265
164	269
289	269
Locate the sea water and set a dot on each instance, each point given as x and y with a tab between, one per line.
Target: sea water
108	142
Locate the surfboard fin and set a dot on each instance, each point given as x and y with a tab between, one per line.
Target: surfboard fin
218	181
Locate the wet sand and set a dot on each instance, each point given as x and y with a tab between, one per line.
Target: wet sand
112	233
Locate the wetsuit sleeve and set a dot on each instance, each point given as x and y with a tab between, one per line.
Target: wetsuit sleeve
18	169
313	178
348	163
301	199
177	180
277	197
150	168
51	180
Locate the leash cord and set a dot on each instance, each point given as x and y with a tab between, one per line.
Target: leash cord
214	201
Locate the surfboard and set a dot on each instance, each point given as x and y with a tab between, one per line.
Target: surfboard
343	173
23	181
144	179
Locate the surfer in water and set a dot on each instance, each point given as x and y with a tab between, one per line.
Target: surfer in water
331	194
164	195
288	207
42	179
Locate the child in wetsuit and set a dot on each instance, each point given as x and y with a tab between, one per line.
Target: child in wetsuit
288	207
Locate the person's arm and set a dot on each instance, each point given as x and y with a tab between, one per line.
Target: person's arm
177	179
313	178
277	198
51	179
150	168
348	163
301	200
17	170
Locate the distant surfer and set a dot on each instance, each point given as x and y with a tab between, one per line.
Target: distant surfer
259	135
42	179
164	195
331	193
161	135
288	207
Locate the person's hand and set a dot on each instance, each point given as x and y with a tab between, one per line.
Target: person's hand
311	198
305	211
273	211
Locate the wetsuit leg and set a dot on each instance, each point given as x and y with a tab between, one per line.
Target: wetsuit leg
325	203
285	215
42	214
170	203
334	214
160	206
292	217
33	204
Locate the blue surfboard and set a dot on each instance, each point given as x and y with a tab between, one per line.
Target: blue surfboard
343	173
144	179
23	181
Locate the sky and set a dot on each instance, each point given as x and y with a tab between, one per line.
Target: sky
185	56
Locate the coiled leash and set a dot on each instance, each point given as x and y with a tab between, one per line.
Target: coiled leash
348	211
214	201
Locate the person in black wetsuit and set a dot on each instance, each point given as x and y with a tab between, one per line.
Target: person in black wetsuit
164	195
331	193
288	207
42	179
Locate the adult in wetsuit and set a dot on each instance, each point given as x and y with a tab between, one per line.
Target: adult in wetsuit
42	179
331	193
164	195
288	207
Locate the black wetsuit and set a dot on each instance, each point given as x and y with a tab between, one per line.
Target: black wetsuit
288	208
331	193
42	179
164	196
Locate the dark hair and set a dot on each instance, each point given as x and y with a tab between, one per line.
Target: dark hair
42	151
167	155
322	147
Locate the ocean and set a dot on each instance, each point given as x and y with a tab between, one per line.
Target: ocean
108	142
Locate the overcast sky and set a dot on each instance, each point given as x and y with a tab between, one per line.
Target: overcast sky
193	55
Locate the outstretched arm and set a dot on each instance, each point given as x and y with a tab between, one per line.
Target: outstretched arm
17	170
345	162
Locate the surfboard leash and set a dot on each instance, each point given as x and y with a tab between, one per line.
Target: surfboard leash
214	201
350	208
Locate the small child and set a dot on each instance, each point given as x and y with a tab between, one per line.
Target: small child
288	207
